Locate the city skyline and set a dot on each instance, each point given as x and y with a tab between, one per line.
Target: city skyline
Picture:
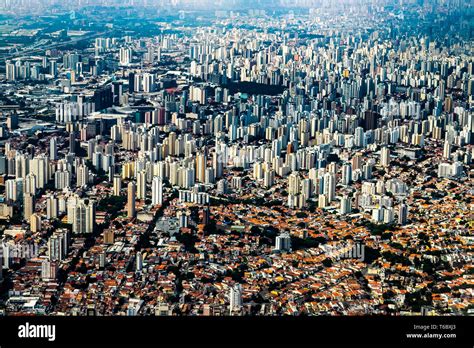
281	158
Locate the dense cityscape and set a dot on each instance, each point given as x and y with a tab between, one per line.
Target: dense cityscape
161	159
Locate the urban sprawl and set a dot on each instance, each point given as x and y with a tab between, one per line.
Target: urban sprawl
267	161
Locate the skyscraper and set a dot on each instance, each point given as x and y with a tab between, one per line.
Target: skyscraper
359	137
131	193
371	120
52	207
28	206
58	245
283	242
345	205
157	191
268	178
72	142
235	297
125	56
139	262
446	150
217	164
201	160
53	149
117	185
84	217
294	183
329	187
402	214
141	185
39	166
35	223
346	173
10	71
62	179
29	184
49	270
82	175
385	157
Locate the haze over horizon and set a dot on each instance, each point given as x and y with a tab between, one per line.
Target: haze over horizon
33	6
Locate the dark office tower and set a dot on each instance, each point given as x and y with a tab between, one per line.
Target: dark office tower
72	142
103	98
371	119
161	115
338	54
131	82
205	216
117	89
402	214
